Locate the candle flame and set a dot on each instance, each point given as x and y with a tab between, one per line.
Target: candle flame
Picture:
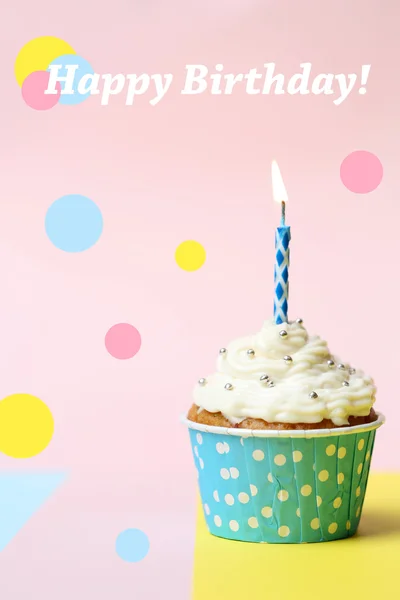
278	187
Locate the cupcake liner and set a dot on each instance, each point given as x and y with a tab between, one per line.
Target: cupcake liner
282	486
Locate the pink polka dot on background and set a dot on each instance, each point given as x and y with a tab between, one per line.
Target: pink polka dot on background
361	172
123	341
33	90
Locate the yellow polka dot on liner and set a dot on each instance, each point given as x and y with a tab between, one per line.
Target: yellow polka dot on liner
361	444
253	523
319	501
229	499
323	475
306	490
358	491
333	528
280	460
283	495
217	521
216	495
358	511
266	512
367	455
348	525
337	503
253	489
190	255
331	449
234	525
340	478
270	478
258	455
26	426
359	468
297	456
342	452
314	523
243	497
298	512
283	531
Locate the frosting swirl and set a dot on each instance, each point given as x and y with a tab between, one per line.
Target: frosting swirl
287	399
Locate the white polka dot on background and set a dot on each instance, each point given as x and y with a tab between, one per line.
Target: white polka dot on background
297	456
242	441
323	475
266	512
217	521
207	509
224	473
280	460
243	497
199	438
283	495
229	499
306	490
220	448
226	447
253	523
283	531
216	495
253	489
234	525
201	463
234	472
258	455
331	449
315	523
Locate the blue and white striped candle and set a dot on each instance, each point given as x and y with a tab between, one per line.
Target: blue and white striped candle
282	252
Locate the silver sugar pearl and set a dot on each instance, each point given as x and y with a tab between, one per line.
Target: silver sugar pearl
287	358
331	363
299	321
313	395
345	383
202	381
271	384
341	366
283	333
250	353
228	386
222	350
352	371
264	378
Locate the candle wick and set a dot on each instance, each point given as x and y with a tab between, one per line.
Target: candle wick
283	213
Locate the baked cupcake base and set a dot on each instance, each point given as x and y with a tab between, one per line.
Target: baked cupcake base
218	420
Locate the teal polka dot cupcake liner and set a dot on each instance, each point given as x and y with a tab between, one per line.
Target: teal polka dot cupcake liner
283	486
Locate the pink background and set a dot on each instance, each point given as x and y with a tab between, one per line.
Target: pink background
189	168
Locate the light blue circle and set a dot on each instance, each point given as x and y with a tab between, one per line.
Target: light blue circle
73	223
132	545
84	68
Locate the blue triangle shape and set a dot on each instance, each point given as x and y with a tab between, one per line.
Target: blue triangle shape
21	495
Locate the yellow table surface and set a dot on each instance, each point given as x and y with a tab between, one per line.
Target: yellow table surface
364	566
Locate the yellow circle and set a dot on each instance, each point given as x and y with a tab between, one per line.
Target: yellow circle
243	497
340	478
332	527
283	495
358	511
348	525
298	512
37	54
337	503
306	490
358	491
331	449
314	523
283	531
270	478
341	452
190	255
266	512
253	522
367	455
359	468
297	456
361	444
26	426
319	501
323	475
280	460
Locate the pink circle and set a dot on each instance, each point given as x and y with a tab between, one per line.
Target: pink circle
33	90
123	341
361	172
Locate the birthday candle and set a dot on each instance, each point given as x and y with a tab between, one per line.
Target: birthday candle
282	252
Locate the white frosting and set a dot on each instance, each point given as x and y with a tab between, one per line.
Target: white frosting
288	401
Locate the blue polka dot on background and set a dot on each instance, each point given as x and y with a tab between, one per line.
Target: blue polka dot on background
84	68
132	545
74	223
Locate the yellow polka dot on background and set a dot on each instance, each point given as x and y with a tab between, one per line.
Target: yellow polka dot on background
26	426
190	255
37	54
323	475
297	456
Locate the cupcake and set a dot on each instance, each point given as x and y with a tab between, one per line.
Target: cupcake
282	437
